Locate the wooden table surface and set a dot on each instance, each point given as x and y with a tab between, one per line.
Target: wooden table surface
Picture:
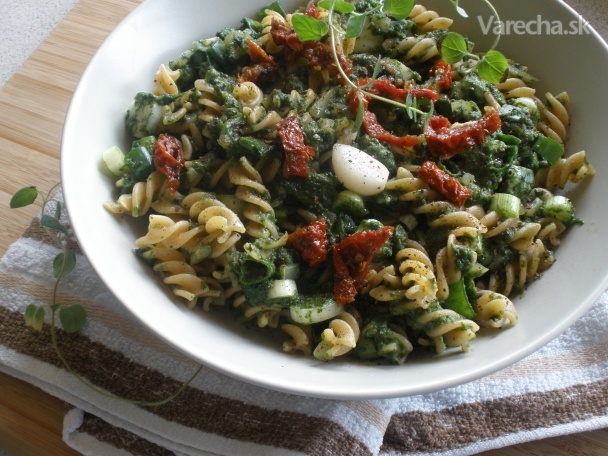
32	109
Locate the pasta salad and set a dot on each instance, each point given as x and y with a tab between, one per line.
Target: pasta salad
332	173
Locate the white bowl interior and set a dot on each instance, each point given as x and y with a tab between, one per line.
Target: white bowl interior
125	64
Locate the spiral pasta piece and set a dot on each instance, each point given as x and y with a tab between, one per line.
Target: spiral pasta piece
164	81
554	116
444	328
414	287
570	169
266	316
461	223
516	88
428	20
222	225
252	192
340	338
265	40
495	310
248	94
413	49
140	200
416	191
520	271
301	338
163	231
209	100
182	276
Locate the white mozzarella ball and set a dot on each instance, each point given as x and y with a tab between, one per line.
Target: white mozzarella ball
358	171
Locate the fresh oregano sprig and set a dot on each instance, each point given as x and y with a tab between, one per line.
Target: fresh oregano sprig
491	67
453	48
72	317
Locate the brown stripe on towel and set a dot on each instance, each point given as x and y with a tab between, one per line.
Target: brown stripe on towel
465	424
37	232
119	438
126	327
193	408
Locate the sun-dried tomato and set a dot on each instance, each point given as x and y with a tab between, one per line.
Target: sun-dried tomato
442	182
311	241
264	67
373	128
352	258
312	11
319	55
169	160
345	290
283	36
443	72
444	140
385	88
297	154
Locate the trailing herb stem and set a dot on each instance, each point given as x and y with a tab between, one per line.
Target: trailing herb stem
332	40
99	391
497	17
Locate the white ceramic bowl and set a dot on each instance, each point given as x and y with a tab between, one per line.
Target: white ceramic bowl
158	31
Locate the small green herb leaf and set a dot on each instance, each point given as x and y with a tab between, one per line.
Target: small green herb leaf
52	223
549	149
64	263
34	317
354	26
399	9
72	318
458	300
360	113
308	28
453	48
57	209
276	7
459	9
339	5
24	197
492	67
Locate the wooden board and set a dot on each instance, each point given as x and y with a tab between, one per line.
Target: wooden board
32	109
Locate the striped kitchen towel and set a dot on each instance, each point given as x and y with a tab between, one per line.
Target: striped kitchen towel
562	388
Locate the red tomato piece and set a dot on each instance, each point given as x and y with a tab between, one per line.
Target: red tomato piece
344	285
297	153
373	128
264	67
443	140
319	55
442	182
387	89
311	241
312	11
169	160
352	258
443	72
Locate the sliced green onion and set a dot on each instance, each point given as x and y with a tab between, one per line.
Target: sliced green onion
558	207
114	158
506	205
289	271
314	310
477	270
283	288
550	149
458	300
257	148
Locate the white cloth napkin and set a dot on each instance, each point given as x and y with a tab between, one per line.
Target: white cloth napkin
560	389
